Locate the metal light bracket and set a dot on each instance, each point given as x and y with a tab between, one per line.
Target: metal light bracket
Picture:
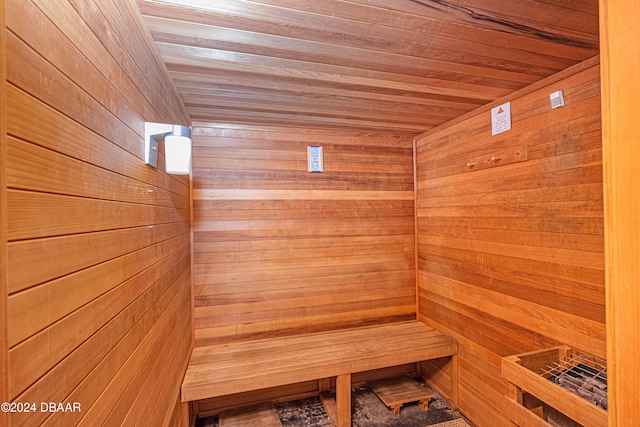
156	132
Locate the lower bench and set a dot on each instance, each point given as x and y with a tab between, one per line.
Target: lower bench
221	370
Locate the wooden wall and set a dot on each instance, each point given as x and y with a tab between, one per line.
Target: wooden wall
511	257
278	250
98	249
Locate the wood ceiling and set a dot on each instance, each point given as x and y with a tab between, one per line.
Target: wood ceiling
400	66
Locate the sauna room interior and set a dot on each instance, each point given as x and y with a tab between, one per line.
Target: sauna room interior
466	167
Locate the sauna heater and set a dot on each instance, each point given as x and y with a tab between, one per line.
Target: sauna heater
581	374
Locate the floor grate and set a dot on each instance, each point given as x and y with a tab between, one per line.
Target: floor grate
459	422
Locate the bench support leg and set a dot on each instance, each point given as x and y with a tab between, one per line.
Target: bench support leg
324	385
343	399
454	382
188	414
328	401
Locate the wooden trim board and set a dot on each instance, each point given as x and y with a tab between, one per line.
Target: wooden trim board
620	85
4	357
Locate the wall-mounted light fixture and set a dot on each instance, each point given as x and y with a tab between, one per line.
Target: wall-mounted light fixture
177	146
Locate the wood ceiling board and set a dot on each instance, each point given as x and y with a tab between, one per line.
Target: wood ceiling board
353	63
366	21
320	79
436	63
469	51
211	57
352	104
257	83
418	67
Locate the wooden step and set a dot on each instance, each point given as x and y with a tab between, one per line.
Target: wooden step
398	391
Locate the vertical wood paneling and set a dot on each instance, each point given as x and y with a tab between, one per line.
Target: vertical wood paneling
620	88
511	257
4	359
98	252
279	250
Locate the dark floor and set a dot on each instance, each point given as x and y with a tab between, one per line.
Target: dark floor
366	411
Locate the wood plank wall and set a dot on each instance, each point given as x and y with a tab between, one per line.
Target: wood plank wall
511	257
278	250
98	269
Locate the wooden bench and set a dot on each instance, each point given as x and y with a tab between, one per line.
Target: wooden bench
221	370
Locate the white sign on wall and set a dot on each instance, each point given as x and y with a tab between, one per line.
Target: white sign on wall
315	158
501	118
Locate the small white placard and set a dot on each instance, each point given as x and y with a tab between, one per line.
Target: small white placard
314	158
501	118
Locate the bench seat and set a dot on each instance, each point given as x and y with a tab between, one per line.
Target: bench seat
220	370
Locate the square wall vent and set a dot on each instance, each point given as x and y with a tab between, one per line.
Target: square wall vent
557	100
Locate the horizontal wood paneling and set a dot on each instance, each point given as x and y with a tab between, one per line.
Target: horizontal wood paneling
98	258
278	250
511	257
